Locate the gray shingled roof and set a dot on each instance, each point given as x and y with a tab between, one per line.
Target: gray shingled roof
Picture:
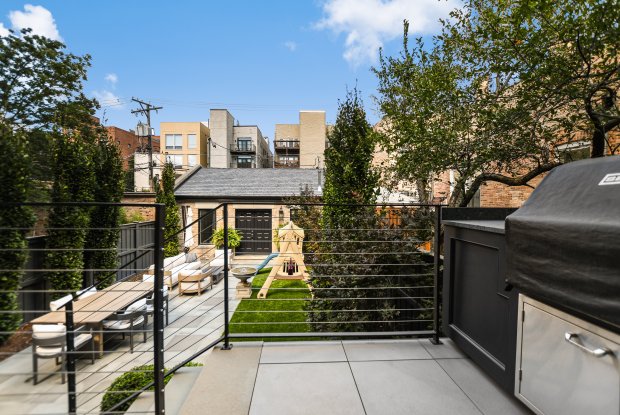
232	183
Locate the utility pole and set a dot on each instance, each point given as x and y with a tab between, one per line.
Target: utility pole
146	108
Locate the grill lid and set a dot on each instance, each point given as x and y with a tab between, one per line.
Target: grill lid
563	244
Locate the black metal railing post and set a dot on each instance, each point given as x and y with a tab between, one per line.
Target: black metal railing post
227	345
436	276
70	358
158	315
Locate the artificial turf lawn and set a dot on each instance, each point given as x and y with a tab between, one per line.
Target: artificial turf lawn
281	312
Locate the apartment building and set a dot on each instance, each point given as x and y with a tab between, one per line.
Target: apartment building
301	145
186	144
234	145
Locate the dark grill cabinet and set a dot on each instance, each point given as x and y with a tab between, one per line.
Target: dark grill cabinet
479	309
563	255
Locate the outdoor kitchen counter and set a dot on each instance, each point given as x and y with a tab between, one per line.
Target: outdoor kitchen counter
480	309
494	226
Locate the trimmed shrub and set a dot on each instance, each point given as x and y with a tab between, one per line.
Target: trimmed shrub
165	195
128	383
125	385
67	225
102	237
14	224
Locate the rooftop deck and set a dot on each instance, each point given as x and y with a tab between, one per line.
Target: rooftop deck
345	377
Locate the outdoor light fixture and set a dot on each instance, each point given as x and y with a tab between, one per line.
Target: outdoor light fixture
281	216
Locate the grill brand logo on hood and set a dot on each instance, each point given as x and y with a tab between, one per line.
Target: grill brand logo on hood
611	178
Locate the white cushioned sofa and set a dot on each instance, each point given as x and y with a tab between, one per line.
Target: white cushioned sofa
172	266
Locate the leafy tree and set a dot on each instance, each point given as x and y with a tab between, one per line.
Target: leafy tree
165	195
37	77
349	178
14	224
41	89
73	169
102	238
496	93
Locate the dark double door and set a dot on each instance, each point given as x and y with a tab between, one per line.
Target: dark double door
255	226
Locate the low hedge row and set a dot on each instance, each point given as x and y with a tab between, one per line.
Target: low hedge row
128	383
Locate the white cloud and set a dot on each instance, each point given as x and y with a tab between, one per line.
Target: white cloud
368	24
290	45
108	99
38	18
3	30
112	78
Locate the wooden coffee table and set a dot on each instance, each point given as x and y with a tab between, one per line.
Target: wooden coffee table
195	277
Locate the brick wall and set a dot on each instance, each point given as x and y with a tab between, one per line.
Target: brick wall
148	213
128	142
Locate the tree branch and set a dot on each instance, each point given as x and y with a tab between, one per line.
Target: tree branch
507	180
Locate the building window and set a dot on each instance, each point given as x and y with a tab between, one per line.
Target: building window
244	162
191	160
174	142
244	143
176	160
191	140
289	161
206	225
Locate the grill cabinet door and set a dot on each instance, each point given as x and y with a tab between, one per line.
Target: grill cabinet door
560	378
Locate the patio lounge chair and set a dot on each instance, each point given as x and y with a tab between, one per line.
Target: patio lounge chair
50	341
134	317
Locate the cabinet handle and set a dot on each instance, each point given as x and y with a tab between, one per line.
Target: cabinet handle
568	336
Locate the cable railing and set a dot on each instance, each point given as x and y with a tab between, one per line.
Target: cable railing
128	329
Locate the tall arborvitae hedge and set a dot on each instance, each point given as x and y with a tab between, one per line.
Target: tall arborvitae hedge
72	160
102	239
14	224
358	258
349	177
165	195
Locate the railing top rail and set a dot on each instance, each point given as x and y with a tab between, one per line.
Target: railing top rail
52	204
332	204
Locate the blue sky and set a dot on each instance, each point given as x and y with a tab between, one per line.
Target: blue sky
263	60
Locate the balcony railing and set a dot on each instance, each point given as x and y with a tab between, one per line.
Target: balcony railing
286	144
242	148
373	275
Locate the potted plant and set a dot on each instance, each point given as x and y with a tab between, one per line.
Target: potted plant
234	240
